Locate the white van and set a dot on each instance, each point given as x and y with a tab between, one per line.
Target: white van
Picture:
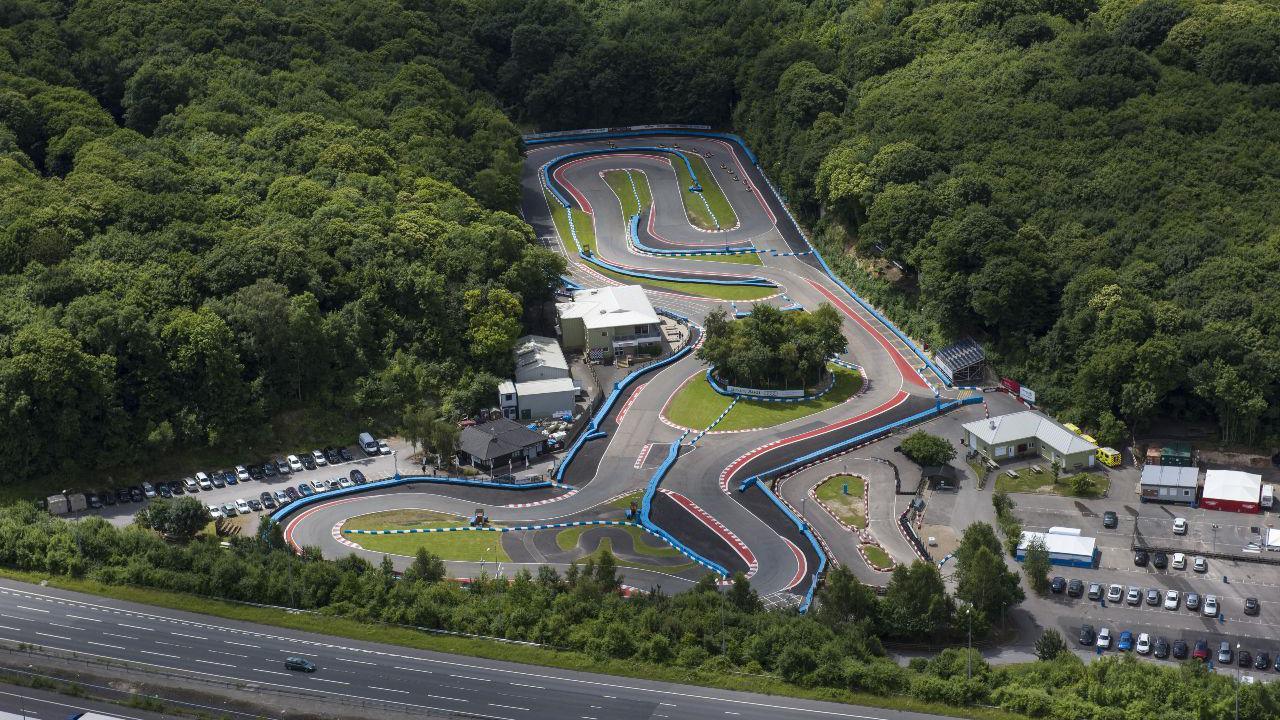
367	443
1268	496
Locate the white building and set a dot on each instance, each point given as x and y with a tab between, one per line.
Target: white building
1066	546
539	358
542	387
1006	437
608	321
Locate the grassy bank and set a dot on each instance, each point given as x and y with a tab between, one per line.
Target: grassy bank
696	405
846	507
695	208
475	546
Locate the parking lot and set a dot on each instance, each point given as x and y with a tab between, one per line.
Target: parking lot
374	467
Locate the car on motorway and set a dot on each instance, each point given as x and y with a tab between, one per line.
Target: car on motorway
1200	565
1179	650
1172	600
228	509
305	490
299	664
1244	659
1095	591
292	492
1159	561
308	462
217	480
1115	592
1087	635
383	448
1153	597
1075	588
345	455
1251	606
1179	561
343	482
1179	526
1058	584
295	465
1104	638
283	467
1201	650
1133	596
1210	606
1193	601
1110	520
1143	646
318	457
269	469
1125	641
215	512
242	507
1262	661
331	454
242	474
1140	558
1160	648
357	477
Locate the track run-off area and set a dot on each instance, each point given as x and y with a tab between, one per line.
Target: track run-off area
706	494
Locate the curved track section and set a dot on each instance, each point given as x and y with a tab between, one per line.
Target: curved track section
699	503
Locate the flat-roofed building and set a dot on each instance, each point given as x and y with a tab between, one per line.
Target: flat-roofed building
609	321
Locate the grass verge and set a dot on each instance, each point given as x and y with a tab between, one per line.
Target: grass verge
694	207
490	649
607	544
570	538
1041	483
876	556
476	546
697	405
846	507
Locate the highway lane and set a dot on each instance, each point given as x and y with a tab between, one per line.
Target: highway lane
425	682
48	705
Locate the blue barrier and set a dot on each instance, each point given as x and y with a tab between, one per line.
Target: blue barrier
547	169
300	503
570	137
647	503
635	242
752	281
569	283
721	390
484	528
817	548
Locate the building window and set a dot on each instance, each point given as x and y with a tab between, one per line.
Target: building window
1185	493
642	329
604	333
507	396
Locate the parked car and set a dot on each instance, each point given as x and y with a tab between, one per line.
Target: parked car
1200	565
1115	593
149	490
1160	648
295	465
1110	520
357	477
217	480
107	497
308	462
122	495
1210	606
283	467
1087	635
1172	600
269	468
1224	652
268	501
257	473
1244	659
331	454
1134	596
1143	646
1140	558
1153	597
292	492
282	498
1193	601
255	505
1201	651
1095	591
1179	526
1104	639
215	512
242	473
299	664
1251	606
1261	661
305	490
344	482
1125	642
320	485
228	509
1179	650
136	494
1160	561
1075	588
1179	561
202	479
383	448
93	501
229	477
319	458
1058	584
367	443
177	488
242	507
163	491
345	455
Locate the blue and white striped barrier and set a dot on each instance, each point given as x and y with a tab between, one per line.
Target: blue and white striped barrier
634	236
749	281
721	390
714	423
515	528
547	168
646	506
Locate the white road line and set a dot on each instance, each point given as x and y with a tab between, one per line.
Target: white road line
210	662
6	627
445	697
382	689
134	627
358	662
69	627
169	644
24	607
335	682
535	687
274	672
468	677
159	654
508	707
122	637
231	654
417	670
255	647
77	617
60	637
193	637
113	647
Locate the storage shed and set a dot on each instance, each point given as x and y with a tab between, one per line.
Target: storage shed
1232	490
1066	546
1168	484
1178	454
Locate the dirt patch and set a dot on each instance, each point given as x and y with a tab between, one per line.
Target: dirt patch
944	535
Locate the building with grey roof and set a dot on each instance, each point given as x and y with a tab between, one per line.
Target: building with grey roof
498	443
1169	484
1007	437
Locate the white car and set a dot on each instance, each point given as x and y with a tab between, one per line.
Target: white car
1115	592
1210	606
1104	639
344	482
1200	565
242	473
148	489
215	512
1180	526
1172	600
282	498
1179	561
1143	646
384	448
294	463
202	479
319	457
242	506
320	485
190	484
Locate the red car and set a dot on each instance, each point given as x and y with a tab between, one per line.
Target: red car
1201	651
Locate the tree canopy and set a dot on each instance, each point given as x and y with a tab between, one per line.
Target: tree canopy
772	349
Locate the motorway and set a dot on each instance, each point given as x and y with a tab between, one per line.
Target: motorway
411	682
699	502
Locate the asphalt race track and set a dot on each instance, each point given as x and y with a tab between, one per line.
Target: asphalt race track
198	651
699	502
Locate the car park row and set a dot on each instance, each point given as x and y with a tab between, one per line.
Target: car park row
270	500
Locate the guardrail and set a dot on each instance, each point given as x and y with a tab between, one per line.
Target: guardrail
646	505
634	226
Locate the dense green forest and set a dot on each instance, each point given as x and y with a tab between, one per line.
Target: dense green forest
214	212
706	634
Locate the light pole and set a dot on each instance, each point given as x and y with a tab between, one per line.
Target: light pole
1237	682
1214	527
802	520
968	658
395	459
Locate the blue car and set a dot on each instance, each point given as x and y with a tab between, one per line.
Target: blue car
305	490
1126	641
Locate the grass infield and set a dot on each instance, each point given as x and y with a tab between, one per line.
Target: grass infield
846	507
476	546
696	405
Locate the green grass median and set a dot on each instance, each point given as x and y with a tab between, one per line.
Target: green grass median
696	405
848	508
473	545
694	207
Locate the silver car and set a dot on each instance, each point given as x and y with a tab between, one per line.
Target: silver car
1134	596
1115	593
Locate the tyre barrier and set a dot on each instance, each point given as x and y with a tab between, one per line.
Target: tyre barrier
646	505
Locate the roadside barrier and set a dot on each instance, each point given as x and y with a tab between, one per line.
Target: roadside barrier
550	184
634	226
514	528
817	547
721	390
752	281
647	503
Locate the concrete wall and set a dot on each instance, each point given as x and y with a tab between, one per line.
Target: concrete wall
572	333
544	405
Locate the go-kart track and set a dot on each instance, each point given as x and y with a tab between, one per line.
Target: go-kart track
708	502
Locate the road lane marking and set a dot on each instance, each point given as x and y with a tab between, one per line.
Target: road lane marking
134	627
508	707
417	670
77	617
211	662
193	637
62	625
160	654
274	672
122	637
382	689
255	647
113	647
24	607
219	652
535	687
468	677
358	662
60	637
335	682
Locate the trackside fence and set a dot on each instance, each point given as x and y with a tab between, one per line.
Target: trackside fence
647	503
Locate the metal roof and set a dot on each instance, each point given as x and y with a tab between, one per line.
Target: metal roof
609	307
534	352
1014	427
963	354
1061	543
496	438
1170	476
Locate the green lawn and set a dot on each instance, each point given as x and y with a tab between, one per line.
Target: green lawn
568	539
846	507
476	546
697	405
711	190
1029	481
581	222
607	544
876	556
624	502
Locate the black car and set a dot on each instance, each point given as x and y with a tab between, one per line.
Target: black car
283	467
345	454
267	501
136	494
1110	520
1262	660
1087	635
94	501
1179	650
1244	659
1161	648
254	505
331	455
1160	561
299	664
123	495
292	493
229	477
1075	588
256	472
1058	584
357	477
269	468
216	479
176	488
107	497
164	490
1251	606
1140	558
308	461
